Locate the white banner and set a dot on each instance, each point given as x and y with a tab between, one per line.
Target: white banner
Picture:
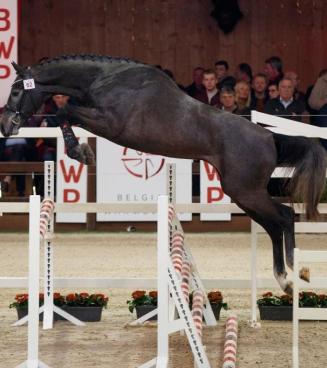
128	176
8	47
71	183
211	192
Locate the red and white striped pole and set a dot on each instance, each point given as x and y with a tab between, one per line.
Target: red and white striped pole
197	310
171	214
177	251
230	346
47	207
185	282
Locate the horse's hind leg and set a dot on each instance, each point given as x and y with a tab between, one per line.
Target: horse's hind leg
262	209
289	235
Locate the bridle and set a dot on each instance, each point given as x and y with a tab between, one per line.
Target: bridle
26	93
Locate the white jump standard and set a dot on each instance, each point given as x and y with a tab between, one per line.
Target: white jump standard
33	288
169	284
46	221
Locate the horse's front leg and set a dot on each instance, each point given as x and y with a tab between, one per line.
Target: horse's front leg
80	152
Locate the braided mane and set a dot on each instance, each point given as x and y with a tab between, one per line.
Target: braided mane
89	57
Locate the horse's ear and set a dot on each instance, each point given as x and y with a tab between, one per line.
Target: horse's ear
19	69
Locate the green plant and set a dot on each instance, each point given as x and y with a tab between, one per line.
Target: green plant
306	299
86	300
73	299
322	300
140	297
270	299
214	297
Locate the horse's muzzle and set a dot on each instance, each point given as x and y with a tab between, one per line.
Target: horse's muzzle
9	124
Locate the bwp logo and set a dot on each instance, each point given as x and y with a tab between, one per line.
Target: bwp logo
142	165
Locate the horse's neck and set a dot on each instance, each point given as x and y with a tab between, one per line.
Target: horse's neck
68	78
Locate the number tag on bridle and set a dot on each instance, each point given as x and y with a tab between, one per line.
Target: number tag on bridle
29	83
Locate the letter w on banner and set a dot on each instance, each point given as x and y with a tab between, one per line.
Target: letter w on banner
211	192
8	46
71	183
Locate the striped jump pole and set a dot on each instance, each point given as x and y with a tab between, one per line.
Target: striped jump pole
47	208
230	346
197	310
177	251
185	281
171	214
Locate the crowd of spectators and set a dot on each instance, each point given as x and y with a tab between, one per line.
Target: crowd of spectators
271	90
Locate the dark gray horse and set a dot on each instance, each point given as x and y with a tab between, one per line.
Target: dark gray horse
138	106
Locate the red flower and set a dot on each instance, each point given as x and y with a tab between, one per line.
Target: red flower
269	294
21	298
71	297
41	296
56	296
84	295
153	294
138	294
215	296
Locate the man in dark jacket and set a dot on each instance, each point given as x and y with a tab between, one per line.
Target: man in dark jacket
210	95
285	105
197	86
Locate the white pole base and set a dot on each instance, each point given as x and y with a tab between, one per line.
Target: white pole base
32	364
254	324
150	364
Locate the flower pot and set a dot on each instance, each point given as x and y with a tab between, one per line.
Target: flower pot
141	310
216	308
85	314
276	312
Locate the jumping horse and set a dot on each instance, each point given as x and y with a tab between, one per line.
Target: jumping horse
138	106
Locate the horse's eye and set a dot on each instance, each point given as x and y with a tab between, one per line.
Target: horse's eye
15	93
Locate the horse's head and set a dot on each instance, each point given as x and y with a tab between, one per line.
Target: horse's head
24	100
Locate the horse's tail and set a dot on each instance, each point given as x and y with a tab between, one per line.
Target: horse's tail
308	158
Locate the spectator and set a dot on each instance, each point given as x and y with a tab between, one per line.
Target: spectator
224	80
318	102
228	103
196	87
274	69
273	90
298	95
210	95
244	73
242	95
259	92
16	149
285	105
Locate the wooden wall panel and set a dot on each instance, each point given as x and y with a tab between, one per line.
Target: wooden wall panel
179	35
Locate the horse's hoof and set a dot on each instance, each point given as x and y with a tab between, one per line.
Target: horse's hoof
305	274
88	154
289	288
82	153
